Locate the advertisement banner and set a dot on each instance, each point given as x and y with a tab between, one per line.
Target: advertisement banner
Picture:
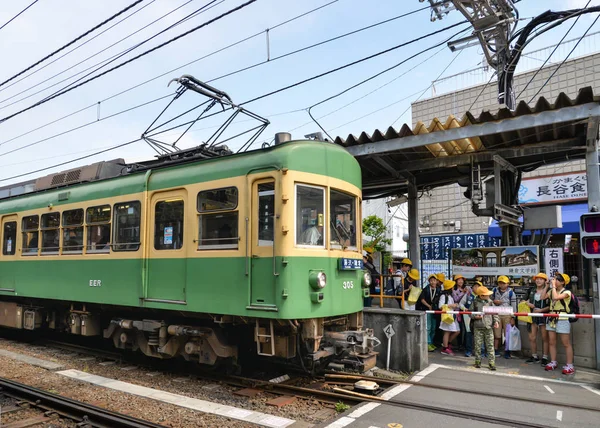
553	261
511	261
439	247
555	189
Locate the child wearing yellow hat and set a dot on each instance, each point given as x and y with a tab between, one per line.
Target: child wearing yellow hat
537	304
483	326
450	330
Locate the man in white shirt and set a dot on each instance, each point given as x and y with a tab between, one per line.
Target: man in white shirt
313	235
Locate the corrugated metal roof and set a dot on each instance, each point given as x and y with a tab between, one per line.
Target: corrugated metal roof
545	133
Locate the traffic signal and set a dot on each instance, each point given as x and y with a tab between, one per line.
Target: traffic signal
590	235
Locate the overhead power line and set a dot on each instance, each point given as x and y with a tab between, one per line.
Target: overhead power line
18	14
75	40
38	69
186	33
108	60
314	45
564	60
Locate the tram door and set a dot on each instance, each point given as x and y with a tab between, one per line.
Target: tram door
9	252
167	258
263	268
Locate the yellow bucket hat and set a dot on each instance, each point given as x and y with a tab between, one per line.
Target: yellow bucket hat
441	277
541	275
406	262
448	284
565	277
483	291
414	274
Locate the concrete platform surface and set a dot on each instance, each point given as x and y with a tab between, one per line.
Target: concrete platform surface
508	389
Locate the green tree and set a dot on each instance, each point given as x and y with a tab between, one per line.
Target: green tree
374	229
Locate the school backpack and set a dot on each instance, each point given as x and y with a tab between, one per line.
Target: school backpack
511	293
574	307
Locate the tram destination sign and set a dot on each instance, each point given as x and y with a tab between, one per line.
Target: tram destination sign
350	264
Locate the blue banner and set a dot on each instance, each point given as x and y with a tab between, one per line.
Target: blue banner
439	247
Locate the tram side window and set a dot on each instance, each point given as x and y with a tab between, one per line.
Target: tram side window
9	238
50	233
310	214
73	231
218	219
30	227
97	220
127	226
168	225
343	219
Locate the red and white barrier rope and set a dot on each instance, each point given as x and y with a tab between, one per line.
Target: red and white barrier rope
518	314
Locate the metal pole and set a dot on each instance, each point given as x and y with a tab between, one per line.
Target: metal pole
387	364
413	222
593	187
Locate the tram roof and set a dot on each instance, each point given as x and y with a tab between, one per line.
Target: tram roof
528	138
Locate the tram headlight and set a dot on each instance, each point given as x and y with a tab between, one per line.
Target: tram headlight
317	280
367	280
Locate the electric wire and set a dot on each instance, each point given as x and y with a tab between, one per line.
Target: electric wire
551	53
382	72
227	74
18	14
564	60
38	69
342	67
75	40
135	58
108	60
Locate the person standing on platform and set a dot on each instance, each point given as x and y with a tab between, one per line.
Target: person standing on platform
409	282
503	296
429	302
560	298
369	266
538	305
451	331
460	290
483	326
466	304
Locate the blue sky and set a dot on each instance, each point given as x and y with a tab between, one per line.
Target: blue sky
51	23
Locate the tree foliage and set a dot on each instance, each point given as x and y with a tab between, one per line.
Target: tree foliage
374	229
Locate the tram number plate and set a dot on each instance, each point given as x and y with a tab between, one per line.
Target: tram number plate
348	284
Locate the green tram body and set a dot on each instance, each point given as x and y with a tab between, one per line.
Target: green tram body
269	287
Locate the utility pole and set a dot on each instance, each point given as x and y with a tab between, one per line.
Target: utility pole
492	22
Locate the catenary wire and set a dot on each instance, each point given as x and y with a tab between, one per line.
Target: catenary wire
18	14
342	67
75	40
218	51
565	60
271	59
135	58
108	60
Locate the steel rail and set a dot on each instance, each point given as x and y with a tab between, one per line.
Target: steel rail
76	410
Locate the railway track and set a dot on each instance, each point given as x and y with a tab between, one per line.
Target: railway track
53	406
336	387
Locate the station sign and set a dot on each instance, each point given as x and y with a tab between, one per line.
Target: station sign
350	264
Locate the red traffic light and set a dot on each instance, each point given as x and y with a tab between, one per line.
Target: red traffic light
591	245
590	223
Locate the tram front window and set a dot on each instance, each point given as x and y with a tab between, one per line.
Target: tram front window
343	219
310	214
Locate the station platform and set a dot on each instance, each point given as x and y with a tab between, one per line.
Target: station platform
517	394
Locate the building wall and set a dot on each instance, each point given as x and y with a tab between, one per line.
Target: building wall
395	219
447	203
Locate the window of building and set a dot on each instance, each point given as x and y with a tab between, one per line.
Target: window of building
218	230
127	226
97	220
50	233
266	213
168	225
9	238
73	231
30	227
310	215
343	219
